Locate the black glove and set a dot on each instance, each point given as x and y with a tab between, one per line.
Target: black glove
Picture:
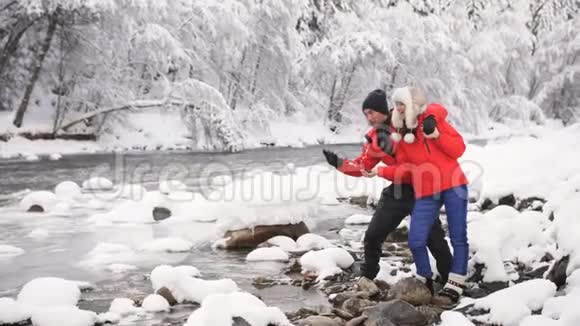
384	140
429	125
332	158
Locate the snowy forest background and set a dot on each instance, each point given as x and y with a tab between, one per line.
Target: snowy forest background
232	70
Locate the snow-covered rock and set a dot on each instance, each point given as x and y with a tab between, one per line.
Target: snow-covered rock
12	312
539	320
155	303
452	318
63	316
311	241
124	307
164	275
503	234
49	291
567	227
67	189
502	212
285	243
98	184
326	262
565	191
219	310
561	310
195	290
265	254
573	282
509	306
44	199
184	287
562	307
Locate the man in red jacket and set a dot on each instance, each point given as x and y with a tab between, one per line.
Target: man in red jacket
397	200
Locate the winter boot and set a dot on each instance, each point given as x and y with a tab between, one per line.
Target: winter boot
448	297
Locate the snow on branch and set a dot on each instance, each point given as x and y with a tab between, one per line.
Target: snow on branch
198	100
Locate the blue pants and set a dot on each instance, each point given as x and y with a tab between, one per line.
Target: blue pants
425	213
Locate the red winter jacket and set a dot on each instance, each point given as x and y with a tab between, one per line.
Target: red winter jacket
371	155
432	162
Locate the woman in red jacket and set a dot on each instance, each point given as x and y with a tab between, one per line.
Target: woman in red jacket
431	158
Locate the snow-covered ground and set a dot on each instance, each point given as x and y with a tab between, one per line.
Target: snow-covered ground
93	229
170	133
526	165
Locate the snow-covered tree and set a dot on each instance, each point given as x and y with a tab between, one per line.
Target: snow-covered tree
556	80
91	64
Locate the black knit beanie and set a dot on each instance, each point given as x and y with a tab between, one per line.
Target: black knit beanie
376	101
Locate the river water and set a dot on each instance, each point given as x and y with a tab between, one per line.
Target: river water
70	238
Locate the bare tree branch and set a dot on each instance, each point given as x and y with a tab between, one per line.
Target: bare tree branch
145	104
88	115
